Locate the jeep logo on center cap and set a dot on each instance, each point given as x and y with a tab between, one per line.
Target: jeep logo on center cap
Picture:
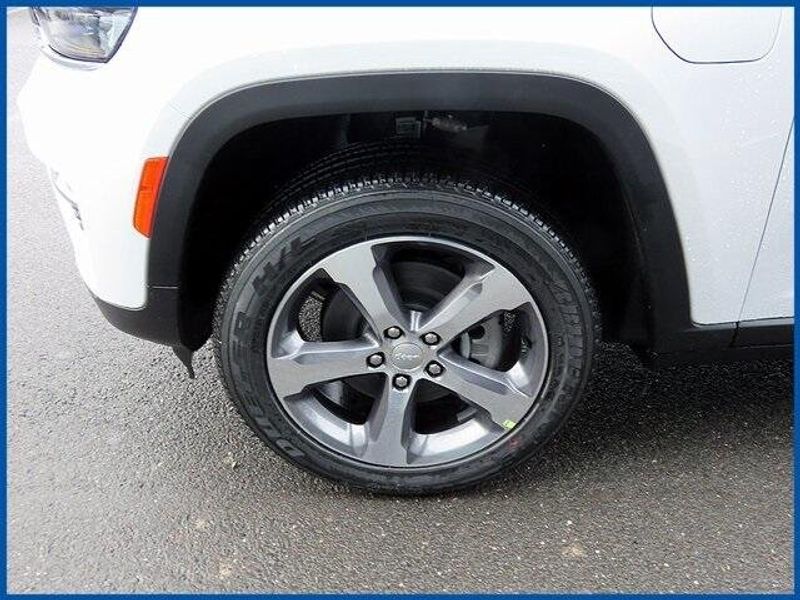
406	356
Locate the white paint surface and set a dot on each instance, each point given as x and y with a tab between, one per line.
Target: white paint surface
718	34
771	292
718	131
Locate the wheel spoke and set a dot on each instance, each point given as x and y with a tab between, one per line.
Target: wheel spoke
483	292
305	363
369	285
388	427
491	390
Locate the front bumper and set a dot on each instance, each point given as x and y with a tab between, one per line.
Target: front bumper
93	134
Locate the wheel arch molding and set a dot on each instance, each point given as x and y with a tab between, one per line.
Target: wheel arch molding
645	194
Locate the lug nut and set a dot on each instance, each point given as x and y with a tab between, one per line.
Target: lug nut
375	360
393	332
401	382
430	338
434	369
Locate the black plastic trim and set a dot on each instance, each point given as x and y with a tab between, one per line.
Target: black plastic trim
757	339
158	321
670	326
765	332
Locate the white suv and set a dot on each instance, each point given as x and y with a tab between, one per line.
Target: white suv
407	229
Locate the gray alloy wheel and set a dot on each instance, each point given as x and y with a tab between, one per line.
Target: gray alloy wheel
434	365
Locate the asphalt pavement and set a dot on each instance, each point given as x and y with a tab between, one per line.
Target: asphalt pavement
124	475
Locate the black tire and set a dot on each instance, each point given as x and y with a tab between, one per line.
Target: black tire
376	203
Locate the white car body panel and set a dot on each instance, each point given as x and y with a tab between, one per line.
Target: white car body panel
771	292
718	130
718	34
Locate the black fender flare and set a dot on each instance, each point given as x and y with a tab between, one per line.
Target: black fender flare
647	200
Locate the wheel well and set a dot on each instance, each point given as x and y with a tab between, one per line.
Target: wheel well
572	176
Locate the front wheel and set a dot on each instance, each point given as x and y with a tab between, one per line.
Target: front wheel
409	333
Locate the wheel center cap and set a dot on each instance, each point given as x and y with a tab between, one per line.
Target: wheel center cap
406	356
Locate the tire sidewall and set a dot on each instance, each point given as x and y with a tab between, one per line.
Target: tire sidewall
487	223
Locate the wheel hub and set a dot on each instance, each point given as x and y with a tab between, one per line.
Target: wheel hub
406	356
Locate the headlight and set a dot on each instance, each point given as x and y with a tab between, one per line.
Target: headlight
83	32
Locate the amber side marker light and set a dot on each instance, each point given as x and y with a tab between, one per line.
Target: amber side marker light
147	196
